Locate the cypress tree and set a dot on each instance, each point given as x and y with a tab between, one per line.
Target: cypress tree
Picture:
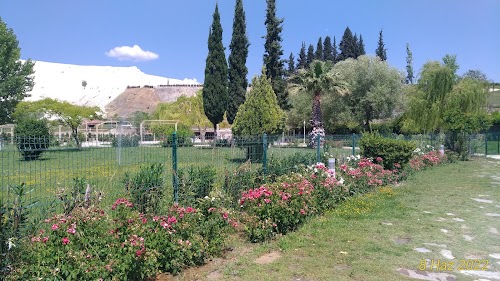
291	64
215	85
327	49
310	55
361	46
302	61
356	45
237	63
275	69
347	46
335	52
319	50
409	65
381	51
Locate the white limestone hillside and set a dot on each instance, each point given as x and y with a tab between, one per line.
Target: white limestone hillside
104	83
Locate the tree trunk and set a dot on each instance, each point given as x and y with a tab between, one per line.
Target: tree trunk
75	136
317	121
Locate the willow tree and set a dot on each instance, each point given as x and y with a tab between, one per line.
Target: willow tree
428	101
316	81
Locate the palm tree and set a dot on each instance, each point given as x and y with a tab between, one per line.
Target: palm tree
317	80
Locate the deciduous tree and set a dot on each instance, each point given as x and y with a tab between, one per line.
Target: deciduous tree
16	77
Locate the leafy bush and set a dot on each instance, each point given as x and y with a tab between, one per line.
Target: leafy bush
195	182
243	178
125	141
392	151
32	137
277	208
184	135
279	166
146	188
91	244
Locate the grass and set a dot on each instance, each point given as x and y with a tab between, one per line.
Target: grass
355	242
104	168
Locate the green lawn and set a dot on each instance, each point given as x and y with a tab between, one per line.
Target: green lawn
370	237
104	168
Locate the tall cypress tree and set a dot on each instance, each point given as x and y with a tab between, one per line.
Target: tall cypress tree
409	65
335	52
319	49
347	46
356	45
327	49
275	69
310	55
381	51
215	85
361	46
302	61
291	64
237	63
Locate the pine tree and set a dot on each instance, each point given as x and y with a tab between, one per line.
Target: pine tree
356	45
275	69
409	65
381	51
327	49
347	46
319	50
302	61
291	64
215	85
335	52
237	63
361	46
310	55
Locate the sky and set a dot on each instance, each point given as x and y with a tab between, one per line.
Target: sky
169	38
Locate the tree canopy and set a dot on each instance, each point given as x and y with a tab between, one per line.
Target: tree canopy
260	113
16	77
215	94
375	89
275	69
62	111
237	63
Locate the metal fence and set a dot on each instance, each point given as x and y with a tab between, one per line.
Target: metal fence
50	170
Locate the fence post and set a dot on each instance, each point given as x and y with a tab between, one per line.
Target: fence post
353	144
175	176
318	144
264	154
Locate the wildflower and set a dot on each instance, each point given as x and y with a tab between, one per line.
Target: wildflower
10	243
55	227
71	230
171	220
65	241
225	216
302	211
45	239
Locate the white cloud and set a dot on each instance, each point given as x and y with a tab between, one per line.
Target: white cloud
134	53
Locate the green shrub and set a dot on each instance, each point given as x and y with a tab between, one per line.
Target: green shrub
126	141
184	135
243	178
391	151
277	166
195	182
32	137
146	188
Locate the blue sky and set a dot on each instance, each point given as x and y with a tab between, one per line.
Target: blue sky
173	34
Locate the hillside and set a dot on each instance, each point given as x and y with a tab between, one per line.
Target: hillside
146	99
103	84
